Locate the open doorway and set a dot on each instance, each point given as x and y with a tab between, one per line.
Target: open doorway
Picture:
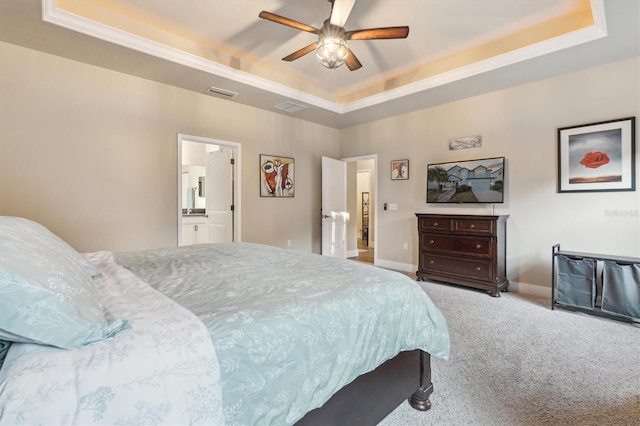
361	204
208	190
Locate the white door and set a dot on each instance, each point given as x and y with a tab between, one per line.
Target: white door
334	208
219	195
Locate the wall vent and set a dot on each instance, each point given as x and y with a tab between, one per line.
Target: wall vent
221	92
290	107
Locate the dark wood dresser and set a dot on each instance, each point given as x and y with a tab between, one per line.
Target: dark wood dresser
463	249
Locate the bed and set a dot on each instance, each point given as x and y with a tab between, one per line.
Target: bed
235	334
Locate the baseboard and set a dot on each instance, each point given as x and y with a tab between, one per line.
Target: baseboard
396	266
352	253
514	286
530	289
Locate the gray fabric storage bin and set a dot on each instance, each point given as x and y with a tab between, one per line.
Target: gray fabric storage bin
621	289
576	282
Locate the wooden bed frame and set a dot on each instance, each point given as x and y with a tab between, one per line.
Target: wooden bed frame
372	396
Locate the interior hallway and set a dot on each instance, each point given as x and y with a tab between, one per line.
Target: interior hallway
365	254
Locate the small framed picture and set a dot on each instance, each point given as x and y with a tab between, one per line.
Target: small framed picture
597	156
276	176
467	142
400	170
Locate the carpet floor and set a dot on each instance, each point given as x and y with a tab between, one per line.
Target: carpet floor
514	361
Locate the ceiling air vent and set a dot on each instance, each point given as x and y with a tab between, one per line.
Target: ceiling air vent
221	92
290	107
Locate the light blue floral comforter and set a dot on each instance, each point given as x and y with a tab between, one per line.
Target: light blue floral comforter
163	370
291	328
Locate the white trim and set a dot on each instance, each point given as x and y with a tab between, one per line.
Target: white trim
555	44
113	35
237	182
352	253
514	286
370	173
396	266
530	289
599	16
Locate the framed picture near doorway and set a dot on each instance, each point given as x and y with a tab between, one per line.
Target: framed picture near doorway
277	176
400	170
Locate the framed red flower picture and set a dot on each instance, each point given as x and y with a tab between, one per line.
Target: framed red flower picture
597	156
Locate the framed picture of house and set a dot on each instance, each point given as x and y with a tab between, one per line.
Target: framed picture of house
276	176
400	170
470	181
597	156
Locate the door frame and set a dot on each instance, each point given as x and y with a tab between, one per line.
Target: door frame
368	172
374	207
237	184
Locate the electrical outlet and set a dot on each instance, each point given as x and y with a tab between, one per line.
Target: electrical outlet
406	246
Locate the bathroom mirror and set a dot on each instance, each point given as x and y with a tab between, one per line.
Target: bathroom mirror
193	178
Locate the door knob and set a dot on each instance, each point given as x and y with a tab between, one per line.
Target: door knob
325	216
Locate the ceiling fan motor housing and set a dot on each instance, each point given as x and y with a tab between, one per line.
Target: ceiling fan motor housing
332	50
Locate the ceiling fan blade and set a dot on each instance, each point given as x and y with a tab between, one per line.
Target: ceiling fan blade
378	33
352	62
288	22
340	10
299	53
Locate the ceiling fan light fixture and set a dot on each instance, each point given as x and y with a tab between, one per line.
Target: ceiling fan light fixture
331	48
332	51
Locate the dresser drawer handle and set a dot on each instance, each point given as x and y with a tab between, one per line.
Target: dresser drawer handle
473	225
478	246
435	223
431	262
431	241
478	269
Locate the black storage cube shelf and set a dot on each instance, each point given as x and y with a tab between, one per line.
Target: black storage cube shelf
576	282
621	289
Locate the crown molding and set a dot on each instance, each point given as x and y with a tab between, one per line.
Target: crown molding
91	28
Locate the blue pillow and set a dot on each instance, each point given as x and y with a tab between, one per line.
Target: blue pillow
46	290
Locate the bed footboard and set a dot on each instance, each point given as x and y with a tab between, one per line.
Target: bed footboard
371	397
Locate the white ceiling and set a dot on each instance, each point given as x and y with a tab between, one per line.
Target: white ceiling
455	48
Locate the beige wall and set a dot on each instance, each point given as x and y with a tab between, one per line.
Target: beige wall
92	154
521	124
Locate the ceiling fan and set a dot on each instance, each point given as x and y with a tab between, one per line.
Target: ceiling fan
331	48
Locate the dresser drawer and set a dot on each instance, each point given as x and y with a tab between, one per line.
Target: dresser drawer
472	268
434	224
456	244
473	226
